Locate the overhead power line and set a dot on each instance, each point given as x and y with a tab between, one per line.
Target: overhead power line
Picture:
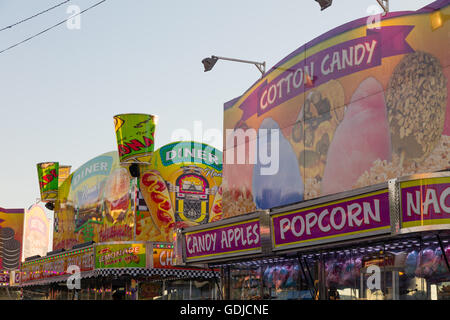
52	27
33	16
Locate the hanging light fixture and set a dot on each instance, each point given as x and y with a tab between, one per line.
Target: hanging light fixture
324	4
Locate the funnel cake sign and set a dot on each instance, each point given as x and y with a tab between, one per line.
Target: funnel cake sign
339	220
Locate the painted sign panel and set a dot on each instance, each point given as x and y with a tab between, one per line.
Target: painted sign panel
4	278
57	265
48	175
98	201
353	217
14	278
11	234
135	134
95	203
163	258
63	173
36	232
120	256
182	188
238	238
357	106
425	202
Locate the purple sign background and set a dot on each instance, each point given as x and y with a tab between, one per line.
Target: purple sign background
434	202
385	42
351	217
223	240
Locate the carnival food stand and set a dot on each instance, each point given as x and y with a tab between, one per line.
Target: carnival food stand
400	227
124	270
119	211
48	277
226	242
329	247
11	235
350	139
145	270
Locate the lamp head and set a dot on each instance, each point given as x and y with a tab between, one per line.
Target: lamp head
209	63
134	170
324	4
50	206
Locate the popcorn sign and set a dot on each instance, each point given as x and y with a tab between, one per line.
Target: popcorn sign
352	217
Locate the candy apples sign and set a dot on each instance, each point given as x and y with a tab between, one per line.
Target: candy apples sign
355	107
233	239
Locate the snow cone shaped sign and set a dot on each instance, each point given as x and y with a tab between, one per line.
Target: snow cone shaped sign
135	133
48	180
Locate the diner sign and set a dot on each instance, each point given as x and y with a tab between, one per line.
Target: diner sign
231	239
351	217
425	202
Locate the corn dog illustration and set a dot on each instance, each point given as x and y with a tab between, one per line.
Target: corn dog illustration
157	198
216	209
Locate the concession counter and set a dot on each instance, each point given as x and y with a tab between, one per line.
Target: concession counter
389	241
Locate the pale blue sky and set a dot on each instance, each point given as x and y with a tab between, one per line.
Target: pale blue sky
60	91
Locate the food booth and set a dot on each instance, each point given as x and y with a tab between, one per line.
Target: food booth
11	235
224	244
384	242
114	221
345	142
122	270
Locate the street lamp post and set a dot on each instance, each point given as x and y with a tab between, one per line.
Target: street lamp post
209	63
385	5
326	3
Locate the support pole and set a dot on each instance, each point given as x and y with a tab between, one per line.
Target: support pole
312	292
443	252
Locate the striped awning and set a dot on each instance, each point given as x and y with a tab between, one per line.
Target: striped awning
173	273
63	278
170	272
